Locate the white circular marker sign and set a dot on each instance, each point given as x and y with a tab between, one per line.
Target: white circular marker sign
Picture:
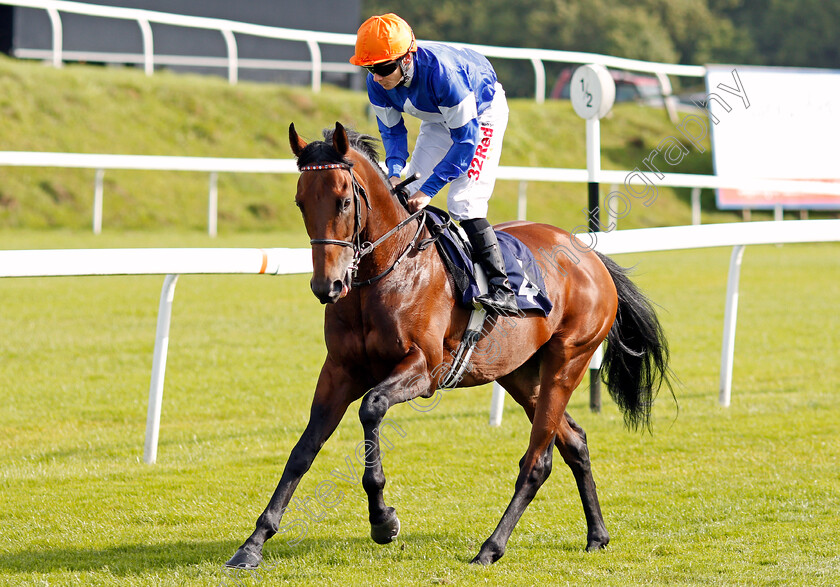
592	91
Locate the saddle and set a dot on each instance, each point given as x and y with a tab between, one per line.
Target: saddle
453	247
456	253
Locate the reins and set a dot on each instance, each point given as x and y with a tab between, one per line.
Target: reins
360	249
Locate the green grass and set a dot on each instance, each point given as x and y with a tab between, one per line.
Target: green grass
84	109
740	496
745	495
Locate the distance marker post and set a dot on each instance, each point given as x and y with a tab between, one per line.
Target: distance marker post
593	94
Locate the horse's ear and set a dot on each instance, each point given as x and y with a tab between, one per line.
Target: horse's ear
295	141
340	141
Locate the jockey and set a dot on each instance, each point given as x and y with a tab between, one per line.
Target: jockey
463	113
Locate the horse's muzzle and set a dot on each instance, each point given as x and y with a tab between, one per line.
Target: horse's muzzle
330	291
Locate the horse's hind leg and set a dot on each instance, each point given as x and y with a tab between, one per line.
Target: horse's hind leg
559	376
571	442
523	386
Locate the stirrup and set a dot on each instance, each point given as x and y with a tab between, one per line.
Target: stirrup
505	306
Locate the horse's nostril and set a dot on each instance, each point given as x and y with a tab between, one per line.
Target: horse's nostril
327	292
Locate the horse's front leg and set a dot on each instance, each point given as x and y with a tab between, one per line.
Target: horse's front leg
409	379
334	392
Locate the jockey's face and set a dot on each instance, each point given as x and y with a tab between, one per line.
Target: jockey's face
390	81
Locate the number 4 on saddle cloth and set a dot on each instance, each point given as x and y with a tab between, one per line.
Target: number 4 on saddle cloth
522	269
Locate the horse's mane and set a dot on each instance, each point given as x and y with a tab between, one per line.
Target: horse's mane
324	152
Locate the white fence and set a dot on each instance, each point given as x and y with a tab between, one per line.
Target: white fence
101	163
313	39
736	235
227	28
216	165
169	262
173	262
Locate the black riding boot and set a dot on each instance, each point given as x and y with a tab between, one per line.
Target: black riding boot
500	297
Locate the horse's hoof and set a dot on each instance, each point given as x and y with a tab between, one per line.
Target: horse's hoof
488	555
244	559
386	531
597	543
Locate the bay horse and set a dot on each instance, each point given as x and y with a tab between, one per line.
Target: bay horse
391	318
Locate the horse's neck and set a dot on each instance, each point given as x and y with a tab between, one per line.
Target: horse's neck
385	213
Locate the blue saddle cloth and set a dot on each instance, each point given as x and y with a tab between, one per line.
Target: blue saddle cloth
522	269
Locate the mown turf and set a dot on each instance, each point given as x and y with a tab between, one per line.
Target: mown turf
739	496
745	495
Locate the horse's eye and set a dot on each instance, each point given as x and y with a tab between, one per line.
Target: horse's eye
299	205
344	205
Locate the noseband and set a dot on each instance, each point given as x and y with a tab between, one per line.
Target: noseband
361	249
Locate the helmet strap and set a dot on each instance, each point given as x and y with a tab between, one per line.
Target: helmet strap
407	69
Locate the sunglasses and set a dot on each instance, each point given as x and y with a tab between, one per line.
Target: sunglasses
382	69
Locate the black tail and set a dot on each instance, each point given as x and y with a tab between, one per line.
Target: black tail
635	363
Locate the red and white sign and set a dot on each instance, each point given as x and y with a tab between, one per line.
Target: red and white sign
785	124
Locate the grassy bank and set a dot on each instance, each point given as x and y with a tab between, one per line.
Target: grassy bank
85	109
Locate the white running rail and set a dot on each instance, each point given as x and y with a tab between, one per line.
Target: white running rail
169	262
174	262
735	235
215	165
313	40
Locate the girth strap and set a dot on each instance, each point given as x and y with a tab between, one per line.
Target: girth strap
472	335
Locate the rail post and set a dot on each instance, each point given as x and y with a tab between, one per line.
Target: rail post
233	57
167	294
148	46
98	196
730	318
57	37
213	205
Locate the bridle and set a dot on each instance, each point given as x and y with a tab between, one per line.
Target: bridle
361	249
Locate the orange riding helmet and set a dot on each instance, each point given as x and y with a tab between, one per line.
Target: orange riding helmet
383	38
